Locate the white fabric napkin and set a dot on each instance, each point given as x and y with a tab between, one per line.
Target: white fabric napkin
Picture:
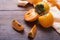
56	14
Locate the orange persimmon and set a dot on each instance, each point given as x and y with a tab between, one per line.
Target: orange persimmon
54	2
17	26
58	6
46	20
34	1
32	32
42	7
31	15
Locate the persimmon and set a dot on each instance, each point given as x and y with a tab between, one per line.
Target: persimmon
54	3
58	6
31	15
33	32
46	20
42	7
17	26
34	1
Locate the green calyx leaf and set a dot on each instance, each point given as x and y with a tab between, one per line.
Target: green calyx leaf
39	8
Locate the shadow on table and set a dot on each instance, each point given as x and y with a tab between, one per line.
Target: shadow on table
39	27
21	32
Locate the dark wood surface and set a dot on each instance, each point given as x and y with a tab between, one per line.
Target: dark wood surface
10	11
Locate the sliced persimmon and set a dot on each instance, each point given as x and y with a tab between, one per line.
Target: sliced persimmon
33	32
17	26
58	6
42	7
31	15
54	3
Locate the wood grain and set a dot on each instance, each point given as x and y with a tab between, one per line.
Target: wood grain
10	11
8	33
11	5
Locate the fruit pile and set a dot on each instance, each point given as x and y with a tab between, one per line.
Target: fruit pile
40	12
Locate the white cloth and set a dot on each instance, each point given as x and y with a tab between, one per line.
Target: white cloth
56	14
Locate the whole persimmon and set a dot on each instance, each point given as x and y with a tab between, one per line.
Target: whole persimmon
42	7
46	20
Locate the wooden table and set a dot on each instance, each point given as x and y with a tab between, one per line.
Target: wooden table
9	11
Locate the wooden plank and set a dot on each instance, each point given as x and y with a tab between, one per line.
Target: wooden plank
11	5
8	33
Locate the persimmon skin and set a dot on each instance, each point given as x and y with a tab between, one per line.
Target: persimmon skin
34	1
45	5
54	3
17	26
58	6
46	20
33	32
31	15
